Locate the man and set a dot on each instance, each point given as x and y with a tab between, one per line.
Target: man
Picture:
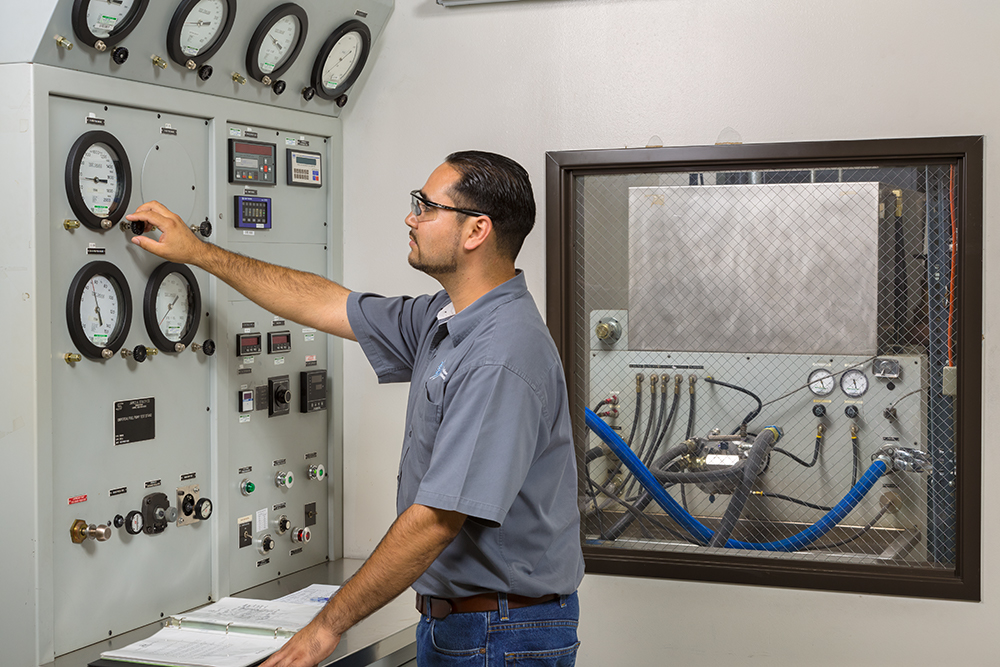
488	525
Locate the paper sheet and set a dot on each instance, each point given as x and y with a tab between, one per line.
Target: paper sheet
196	648
267	614
316	594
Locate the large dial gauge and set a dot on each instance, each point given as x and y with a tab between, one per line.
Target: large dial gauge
98	179
276	42
341	59
171	307
99	310
103	23
821	382
198	29
854	383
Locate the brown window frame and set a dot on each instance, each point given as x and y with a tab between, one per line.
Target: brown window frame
966	153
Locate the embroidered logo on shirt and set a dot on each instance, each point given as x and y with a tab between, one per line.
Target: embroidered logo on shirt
439	373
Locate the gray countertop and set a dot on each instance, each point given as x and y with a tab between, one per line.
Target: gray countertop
387	637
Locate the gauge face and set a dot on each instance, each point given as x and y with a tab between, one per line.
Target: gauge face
98	179
341	59
202	26
854	383
198	29
99	182
134	522
276	42
99	310
107	21
171	305
104	15
821	382
886	368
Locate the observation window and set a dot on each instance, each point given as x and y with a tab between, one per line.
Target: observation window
774	360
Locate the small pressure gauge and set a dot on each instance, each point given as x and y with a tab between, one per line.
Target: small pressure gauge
276	42
99	310
133	522
821	382
103	23
341	59
198	30
886	368
854	383
171	307
98	179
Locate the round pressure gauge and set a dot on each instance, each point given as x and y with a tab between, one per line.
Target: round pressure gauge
98	179
99	310
341	59
171	306
133	522
821	382
103	23
854	383
198	30
276	42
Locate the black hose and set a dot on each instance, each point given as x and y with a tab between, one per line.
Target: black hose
768	494
628	483
644	499
857	459
754	464
819	441
666	425
690	432
750	415
593	454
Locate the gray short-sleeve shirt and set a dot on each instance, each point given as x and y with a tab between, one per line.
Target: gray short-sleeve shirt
487	434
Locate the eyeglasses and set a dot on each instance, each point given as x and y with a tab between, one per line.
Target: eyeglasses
422	208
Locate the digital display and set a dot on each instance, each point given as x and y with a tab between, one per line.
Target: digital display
305	160
247	344
254	149
280	340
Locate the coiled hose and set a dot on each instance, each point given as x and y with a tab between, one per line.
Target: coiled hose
704	535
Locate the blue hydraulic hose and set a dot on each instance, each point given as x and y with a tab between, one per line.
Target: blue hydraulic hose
703	534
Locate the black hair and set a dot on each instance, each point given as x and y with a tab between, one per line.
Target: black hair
500	188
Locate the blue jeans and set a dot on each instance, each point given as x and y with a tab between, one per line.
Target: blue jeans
542	635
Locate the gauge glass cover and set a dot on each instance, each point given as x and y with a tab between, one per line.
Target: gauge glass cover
821	382
854	383
173	307
342	60
202	26
278	43
104	15
136	523
99	185
99	307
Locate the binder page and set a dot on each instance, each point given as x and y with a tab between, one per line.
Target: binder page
241	613
198	648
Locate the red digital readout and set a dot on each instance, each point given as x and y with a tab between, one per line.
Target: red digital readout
253	149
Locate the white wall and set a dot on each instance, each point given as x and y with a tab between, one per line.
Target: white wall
523	78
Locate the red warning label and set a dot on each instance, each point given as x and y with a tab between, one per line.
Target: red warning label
77	499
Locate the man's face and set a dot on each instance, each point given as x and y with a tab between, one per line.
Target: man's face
436	237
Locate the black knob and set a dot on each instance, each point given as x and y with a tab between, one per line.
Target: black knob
308	93
137	226
120	55
819	410
282	395
203	509
119	521
187	505
284	523
268	543
208	347
133	522
205	72
851	411
139	353
341	101
278	87
205	228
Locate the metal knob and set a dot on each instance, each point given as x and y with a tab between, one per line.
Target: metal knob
106	224
205	72
204	228
120	55
279	87
308	93
608	330
208	347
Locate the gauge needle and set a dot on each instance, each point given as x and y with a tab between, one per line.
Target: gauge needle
199	23
280	47
97	305
95	179
169	308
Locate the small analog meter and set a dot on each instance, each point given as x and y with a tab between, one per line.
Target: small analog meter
821	382
854	383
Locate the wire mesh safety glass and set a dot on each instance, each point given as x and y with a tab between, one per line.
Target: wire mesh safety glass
709	306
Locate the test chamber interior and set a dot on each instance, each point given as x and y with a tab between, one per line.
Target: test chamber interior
727	303
155	476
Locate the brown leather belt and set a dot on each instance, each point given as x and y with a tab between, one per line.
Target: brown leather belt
441	607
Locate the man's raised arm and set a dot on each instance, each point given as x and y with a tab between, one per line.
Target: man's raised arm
295	295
